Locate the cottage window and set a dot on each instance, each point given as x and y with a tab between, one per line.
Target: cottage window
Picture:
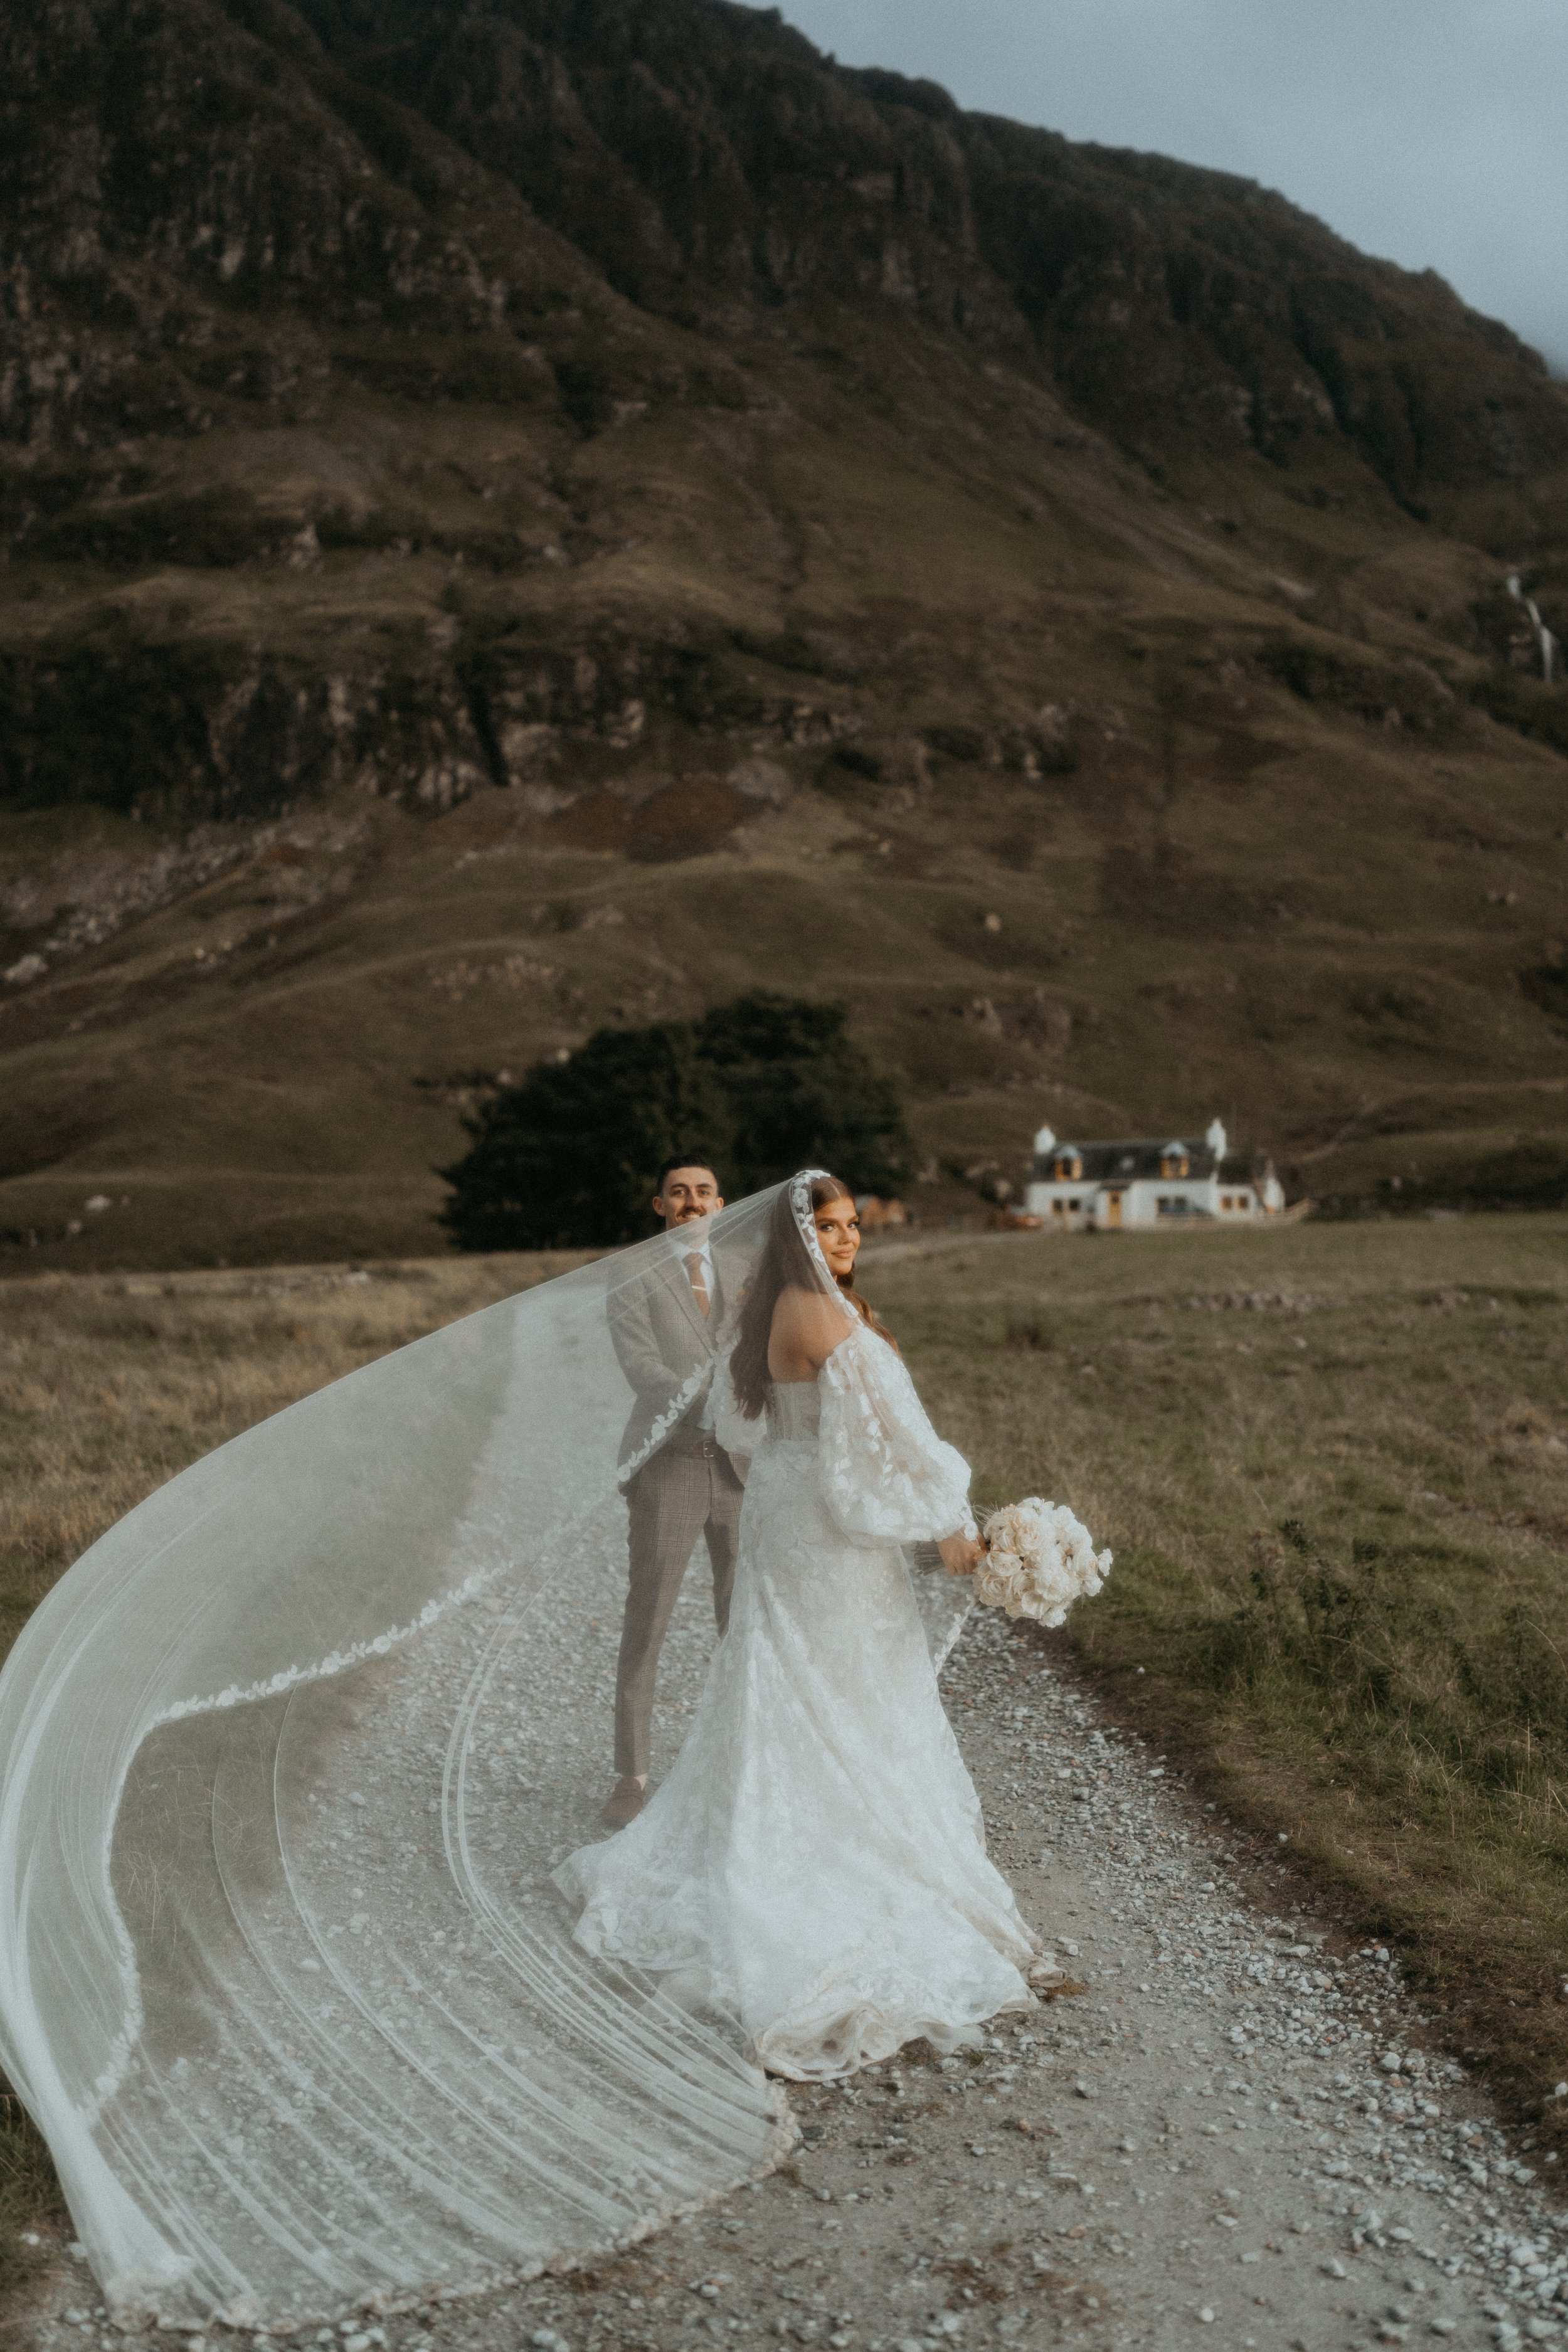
1174	1164
1069	1170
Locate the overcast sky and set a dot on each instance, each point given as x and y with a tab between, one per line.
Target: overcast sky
1433	133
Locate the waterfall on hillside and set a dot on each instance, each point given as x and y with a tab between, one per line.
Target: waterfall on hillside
1546	641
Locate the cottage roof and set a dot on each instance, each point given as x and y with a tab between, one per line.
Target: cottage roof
1120	1162
1124	1160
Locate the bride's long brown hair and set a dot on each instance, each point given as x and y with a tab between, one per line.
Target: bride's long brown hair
786	1260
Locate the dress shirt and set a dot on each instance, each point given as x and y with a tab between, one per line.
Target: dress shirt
699	1250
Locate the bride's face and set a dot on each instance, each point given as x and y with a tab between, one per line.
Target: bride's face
838	1231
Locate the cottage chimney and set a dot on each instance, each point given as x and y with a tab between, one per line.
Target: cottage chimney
1044	1142
1216	1138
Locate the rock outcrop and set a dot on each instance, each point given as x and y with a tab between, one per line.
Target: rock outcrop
717	169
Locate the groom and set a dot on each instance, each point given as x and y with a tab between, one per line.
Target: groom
665	1327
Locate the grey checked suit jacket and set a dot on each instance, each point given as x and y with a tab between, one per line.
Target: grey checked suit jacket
661	1338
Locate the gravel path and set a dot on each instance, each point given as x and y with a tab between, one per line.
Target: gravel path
1234	2136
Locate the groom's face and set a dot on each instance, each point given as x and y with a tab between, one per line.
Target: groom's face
688	1193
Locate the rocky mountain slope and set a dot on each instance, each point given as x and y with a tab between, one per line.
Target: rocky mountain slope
551	513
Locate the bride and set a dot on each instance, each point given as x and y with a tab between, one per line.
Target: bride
815	1865
297	1761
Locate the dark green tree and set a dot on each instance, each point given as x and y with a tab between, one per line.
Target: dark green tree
567	1160
803	1093
762	1085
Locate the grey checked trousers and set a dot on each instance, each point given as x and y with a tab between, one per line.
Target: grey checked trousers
688	1488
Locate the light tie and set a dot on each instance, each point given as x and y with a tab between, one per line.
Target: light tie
698	1282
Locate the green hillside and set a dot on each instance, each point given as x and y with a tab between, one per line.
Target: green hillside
557	516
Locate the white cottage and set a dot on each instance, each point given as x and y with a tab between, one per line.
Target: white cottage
1118	1187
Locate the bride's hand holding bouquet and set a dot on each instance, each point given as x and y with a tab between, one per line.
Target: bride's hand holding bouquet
1034	1560
961	1554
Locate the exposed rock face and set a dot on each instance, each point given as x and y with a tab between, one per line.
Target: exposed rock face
254	259
706	157
193	192
186	209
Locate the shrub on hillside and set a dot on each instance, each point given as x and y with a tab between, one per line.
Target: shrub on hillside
762	1085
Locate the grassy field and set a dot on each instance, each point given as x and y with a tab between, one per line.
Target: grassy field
1332	1463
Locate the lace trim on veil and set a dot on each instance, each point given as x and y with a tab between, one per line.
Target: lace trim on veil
675	1411
800	1201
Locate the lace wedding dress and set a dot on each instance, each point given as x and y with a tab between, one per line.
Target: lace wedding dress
815	1867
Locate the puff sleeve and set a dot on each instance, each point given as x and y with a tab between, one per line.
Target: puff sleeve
887	1477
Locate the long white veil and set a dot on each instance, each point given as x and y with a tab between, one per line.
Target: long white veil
286	1762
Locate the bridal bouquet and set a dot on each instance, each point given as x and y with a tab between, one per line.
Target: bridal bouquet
1039	1559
